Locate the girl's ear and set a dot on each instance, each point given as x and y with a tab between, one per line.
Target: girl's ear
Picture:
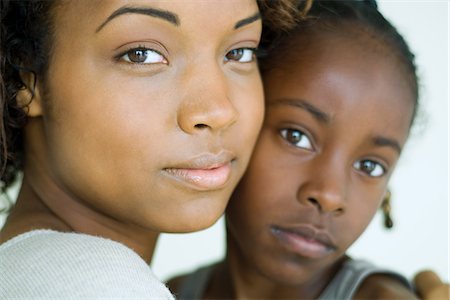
29	97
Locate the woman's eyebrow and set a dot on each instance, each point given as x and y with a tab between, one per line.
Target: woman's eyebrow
152	12
166	15
248	20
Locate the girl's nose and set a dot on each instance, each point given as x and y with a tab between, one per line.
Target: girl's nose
329	202
207	104
326	188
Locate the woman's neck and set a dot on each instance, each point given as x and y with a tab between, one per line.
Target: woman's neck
43	204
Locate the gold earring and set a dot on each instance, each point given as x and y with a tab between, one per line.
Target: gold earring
386	208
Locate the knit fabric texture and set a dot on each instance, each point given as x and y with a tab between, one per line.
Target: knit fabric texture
48	264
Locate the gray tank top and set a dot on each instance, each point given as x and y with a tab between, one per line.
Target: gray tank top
343	286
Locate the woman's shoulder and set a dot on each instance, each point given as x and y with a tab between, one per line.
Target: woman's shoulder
52	246
46	263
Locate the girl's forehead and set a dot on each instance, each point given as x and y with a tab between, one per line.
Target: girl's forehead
321	52
322	37
339	75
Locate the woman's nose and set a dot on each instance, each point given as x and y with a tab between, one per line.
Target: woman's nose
207	104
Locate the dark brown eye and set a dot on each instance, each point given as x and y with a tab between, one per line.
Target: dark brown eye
143	56
370	167
242	55
293	136
235	54
138	56
296	138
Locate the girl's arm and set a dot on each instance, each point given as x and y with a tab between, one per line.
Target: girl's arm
427	283
381	286
430	287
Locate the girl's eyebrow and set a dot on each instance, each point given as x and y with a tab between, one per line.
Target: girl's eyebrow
166	15
303	104
322	116
387	142
152	12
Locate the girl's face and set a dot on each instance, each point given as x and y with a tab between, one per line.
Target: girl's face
336	122
151	108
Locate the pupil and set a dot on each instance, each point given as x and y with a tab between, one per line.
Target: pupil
294	136
235	54
138	56
368	165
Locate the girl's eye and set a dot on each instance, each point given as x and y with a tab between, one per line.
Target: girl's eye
296	138
370	167
143	56
242	55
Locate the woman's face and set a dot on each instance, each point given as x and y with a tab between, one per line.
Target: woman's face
152	108
336	121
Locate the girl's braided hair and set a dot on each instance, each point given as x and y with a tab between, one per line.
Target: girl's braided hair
346	16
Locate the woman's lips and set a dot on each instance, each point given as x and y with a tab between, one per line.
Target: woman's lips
304	240
203	179
204	172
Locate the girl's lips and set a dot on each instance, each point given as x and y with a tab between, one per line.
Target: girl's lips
304	241
208	178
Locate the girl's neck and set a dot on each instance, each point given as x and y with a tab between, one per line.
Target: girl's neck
43	204
235	278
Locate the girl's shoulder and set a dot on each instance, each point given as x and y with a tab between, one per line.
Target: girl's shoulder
383	286
192	285
360	279
46	263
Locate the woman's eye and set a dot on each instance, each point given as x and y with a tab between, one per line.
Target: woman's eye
296	138
143	56
370	167
242	55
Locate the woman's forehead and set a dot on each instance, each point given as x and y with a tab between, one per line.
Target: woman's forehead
96	13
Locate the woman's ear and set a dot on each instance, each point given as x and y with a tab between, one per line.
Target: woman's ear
29	97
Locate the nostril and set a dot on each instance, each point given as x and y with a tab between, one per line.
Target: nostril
314	202
201	126
338	212
326	206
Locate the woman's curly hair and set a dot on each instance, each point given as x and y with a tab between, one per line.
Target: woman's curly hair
279	16
26	38
25	33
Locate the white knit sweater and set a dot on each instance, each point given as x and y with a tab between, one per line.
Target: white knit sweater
48	264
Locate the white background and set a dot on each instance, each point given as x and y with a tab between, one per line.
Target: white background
420	185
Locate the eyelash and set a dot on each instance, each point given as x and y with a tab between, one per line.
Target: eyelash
254	54
375	166
360	165
143	49
301	138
